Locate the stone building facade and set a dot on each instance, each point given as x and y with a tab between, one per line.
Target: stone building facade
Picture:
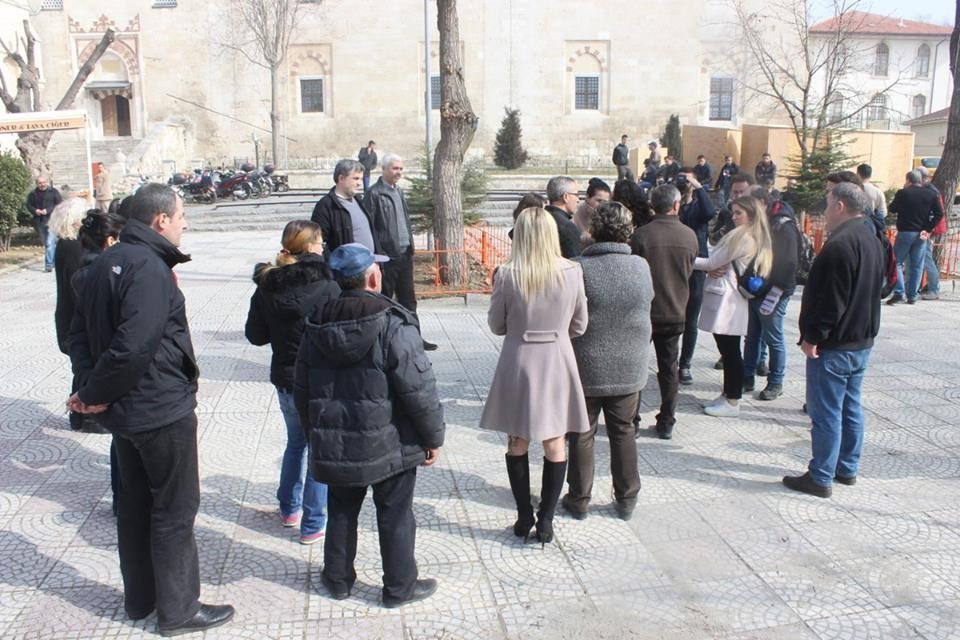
172	91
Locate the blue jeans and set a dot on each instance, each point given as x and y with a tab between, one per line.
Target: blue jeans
833	404
766	330
909	250
298	490
933	272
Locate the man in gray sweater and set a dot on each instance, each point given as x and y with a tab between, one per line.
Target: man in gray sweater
670	248
611	357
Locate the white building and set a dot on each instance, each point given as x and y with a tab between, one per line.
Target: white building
931	133
12	15
900	68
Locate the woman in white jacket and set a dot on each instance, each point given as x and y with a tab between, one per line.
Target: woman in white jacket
725	312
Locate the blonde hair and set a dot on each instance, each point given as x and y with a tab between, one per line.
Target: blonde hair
757	231
66	218
533	266
297	237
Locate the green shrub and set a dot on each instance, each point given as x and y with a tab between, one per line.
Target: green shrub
420	195
14	187
508	152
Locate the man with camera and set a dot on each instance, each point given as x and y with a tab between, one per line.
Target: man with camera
696	211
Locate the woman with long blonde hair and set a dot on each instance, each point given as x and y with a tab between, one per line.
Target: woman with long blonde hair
538	304
746	251
286	292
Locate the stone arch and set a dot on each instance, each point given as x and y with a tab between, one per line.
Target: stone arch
119	47
587	56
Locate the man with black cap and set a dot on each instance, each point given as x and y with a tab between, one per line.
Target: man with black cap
367	396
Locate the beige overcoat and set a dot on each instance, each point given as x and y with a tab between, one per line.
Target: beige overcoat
536	392
725	311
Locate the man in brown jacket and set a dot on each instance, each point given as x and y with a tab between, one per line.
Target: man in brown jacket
670	248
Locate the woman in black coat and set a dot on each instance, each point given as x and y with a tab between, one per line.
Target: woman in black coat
65	221
286	292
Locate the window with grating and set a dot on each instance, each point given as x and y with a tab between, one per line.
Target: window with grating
434	92
881	60
164	4
311	95
51	5
587	92
721	98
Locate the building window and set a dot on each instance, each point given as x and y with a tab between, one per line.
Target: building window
835	110
919	105
587	93
51	5
311	95
434	92
882	60
721	98
923	61
877	109
164	4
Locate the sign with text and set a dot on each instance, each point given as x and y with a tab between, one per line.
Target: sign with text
42	121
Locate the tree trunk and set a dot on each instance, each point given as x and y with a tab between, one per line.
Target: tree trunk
33	150
948	172
458	124
274	114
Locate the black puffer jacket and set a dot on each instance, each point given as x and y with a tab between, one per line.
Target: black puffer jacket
129	340
284	297
335	224
365	391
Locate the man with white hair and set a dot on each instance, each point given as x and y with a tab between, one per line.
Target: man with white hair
40	204
391	225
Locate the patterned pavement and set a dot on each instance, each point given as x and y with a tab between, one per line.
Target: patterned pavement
717	547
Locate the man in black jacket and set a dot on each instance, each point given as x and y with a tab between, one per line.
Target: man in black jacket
133	359
393	233
366	393
766	171
564	199
621	159
341	213
696	211
839	320
703	171
725	177
368	158
768	309
40	203
918	211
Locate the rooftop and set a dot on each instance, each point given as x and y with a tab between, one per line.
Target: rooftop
863	23
935	116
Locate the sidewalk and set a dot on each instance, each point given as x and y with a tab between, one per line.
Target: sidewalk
717	547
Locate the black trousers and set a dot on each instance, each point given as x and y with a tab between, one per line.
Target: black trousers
666	343
396	527
159	498
729	347
398	281
694	302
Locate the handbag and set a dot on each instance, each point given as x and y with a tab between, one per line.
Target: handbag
749	284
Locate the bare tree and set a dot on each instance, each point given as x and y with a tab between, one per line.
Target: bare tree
807	76
947	176
270	25
33	145
458	124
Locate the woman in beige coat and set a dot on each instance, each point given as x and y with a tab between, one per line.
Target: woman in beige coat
725	312
102	190
538	303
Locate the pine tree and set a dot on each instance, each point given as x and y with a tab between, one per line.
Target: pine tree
806	189
670	138
420	197
508	152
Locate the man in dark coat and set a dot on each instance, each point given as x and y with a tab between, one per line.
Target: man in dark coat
564	199
621	159
725	176
40	204
133	359
393	233
341	213
368	158
839	321
918	211
703	171
366	393
766	171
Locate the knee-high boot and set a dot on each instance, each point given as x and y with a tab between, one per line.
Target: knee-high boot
553	476
518	470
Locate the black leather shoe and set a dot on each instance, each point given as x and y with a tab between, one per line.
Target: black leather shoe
895	299
685	377
336	592
421	591
138	615
772	392
763	370
429	346
847	480
624	509
664	433
209	616
805	484
572	509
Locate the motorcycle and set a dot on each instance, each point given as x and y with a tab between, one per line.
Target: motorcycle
193	188
233	185
278	182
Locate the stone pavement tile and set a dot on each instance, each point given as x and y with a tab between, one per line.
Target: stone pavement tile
236	629
703	559
261	600
798	631
945	563
741	604
795	508
899	579
869	625
355	627
690	485
93	611
942	436
47	532
820	591
601	529
521	573
665	522
480	624
912	532
82	566
770	548
446	545
737	513
844	540
568	617
78	496
13	600
636	569
935	620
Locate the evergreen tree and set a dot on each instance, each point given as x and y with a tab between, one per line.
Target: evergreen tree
670	138
14	187
421	201
806	191
508	152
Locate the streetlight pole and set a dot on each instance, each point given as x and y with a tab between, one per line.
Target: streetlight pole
428	80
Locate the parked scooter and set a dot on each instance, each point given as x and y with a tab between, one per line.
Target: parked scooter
279	183
232	185
194	187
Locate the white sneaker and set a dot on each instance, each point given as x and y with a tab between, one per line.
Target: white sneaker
720	399
723	410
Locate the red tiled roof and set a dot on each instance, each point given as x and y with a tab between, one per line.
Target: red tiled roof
863	23
936	116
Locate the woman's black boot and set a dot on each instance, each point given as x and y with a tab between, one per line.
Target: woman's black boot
554	474
518	470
